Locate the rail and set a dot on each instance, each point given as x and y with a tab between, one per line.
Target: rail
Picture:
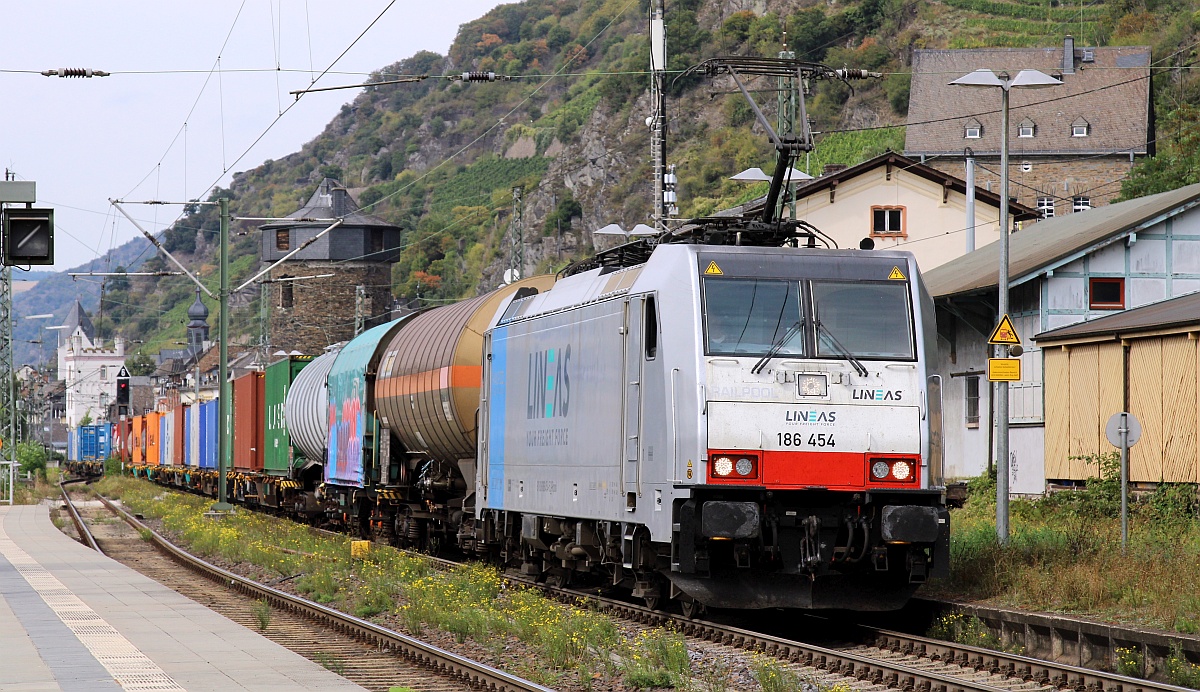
476	675
85	534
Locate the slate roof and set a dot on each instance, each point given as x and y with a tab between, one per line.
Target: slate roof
1177	312
330	200
1112	94
78	317
1054	242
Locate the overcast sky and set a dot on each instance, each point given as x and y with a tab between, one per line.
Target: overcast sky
87	140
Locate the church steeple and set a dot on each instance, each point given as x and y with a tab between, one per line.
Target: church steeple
197	328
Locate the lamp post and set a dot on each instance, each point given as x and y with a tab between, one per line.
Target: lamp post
1025	79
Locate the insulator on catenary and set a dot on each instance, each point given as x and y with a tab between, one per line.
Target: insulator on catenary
483	77
81	72
847	73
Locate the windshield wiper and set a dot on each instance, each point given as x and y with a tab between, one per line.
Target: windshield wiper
787	336
842	350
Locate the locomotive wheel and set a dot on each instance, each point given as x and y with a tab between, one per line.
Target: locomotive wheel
690	607
558	578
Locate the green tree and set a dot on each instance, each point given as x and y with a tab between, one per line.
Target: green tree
139	364
32	458
1177	162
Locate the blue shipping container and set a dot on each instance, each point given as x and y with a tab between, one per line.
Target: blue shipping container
90	442
208	434
191	440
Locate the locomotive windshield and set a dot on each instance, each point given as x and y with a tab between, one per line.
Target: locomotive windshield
849	320
747	316
868	320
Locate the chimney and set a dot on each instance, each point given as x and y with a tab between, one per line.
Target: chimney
341	201
1068	61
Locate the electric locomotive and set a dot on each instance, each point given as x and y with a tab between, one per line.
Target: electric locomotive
743	427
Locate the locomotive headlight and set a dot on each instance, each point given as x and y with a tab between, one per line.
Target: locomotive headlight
812	384
901	470
723	466
745	467
879	469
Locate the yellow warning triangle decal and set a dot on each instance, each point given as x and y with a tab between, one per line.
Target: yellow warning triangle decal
713	269
1004	333
897	274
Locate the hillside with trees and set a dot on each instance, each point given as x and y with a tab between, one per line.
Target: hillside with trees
439	157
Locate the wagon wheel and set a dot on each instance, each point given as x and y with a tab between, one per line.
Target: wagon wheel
653	602
690	607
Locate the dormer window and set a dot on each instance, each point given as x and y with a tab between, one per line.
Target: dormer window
973	129
1026	128
1080	128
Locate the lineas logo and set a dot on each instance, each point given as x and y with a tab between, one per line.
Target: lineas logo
549	390
878	394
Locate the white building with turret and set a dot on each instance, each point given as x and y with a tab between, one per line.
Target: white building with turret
87	368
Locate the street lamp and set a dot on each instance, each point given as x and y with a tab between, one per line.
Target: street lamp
1025	79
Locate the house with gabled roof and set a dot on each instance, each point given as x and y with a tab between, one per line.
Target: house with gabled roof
1070	146
899	204
1063	271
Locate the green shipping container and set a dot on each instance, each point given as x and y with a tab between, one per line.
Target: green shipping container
279	377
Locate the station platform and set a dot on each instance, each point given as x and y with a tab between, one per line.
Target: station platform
74	620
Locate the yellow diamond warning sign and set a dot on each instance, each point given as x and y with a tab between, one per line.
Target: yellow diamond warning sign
713	269
1004	334
897	275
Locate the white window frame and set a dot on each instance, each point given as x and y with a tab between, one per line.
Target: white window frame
1045	207
973	132
1080	203
1025	131
1080	130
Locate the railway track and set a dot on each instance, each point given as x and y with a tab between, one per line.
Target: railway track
880	658
367	654
893	659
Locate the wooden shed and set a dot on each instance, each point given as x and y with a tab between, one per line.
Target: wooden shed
1145	361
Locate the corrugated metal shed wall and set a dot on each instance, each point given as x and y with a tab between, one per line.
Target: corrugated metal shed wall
1085	394
1145	402
1178	391
1085	386
1058	413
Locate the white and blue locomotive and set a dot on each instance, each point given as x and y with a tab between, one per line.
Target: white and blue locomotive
741	427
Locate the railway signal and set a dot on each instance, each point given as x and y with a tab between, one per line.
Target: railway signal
28	236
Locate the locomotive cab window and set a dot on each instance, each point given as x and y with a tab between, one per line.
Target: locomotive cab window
651	329
867	320
748	317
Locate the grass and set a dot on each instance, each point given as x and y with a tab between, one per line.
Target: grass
43	487
470	602
1064	554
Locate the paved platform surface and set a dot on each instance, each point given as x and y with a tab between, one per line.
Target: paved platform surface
76	621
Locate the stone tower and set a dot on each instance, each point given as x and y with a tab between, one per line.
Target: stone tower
308	314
